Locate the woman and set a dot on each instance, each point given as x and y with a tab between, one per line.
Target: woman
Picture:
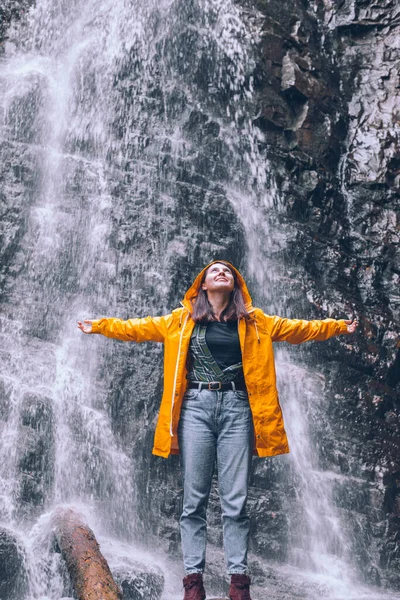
220	402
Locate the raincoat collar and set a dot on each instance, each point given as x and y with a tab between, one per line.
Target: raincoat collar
193	291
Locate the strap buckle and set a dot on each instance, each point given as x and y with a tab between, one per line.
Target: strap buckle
212	384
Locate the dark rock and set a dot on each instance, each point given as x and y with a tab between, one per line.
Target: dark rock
11	10
13	579
5	399
37	413
140	583
36	461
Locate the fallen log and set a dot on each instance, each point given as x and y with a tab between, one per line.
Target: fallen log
90	574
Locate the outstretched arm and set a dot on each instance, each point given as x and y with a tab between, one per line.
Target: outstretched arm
133	330
296	331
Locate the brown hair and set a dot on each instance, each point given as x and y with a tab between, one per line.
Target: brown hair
203	311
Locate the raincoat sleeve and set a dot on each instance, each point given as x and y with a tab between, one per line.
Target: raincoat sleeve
296	331
149	329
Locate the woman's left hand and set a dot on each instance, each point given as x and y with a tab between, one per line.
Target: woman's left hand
352	325
85	326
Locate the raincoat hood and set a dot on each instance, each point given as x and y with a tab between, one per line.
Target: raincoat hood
193	291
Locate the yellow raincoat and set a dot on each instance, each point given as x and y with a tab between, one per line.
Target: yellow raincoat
256	337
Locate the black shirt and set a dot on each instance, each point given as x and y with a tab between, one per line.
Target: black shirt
223	342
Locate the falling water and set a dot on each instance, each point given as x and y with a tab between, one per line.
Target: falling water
54	98
95	98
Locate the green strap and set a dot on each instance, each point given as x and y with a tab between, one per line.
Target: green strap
205	367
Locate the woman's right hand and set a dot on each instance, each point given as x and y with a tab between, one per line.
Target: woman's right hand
85	326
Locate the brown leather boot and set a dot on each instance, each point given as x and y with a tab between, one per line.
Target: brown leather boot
239	588
194	589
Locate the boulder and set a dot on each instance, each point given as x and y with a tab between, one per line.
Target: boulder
139	582
13	579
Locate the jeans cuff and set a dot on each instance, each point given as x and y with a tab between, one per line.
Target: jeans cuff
192	571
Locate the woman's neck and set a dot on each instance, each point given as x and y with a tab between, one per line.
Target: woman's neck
219	302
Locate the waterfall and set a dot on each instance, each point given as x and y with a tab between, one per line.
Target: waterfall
119	121
59	442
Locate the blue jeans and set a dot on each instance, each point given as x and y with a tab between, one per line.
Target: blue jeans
215	425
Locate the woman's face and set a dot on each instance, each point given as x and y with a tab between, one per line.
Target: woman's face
219	278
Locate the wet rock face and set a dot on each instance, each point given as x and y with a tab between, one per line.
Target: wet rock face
328	100
300	107
12	571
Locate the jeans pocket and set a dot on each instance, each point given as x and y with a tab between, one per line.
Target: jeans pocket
238	403
241	395
190	394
